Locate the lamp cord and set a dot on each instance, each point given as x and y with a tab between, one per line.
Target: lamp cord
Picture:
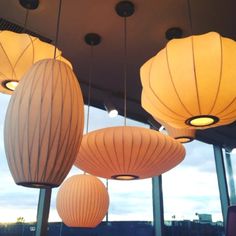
108	209
193	55
89	90
89	87
190	17
125	69
58	24
26	20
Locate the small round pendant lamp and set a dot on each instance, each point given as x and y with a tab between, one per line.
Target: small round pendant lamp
82	201
18	52
191	82
44	125
127	153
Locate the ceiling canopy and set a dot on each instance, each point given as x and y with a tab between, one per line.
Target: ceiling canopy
146	35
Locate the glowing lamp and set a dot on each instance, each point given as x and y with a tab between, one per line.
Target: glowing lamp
18	52
113	113
82	201
191	82
127	153
44	125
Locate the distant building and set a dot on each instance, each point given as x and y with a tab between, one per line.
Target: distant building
117	228
205	218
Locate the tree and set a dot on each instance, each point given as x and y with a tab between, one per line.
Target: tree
20	219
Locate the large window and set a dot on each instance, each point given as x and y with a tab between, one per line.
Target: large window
230	167
191	189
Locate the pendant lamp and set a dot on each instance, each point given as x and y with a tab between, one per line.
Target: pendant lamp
44	125
191	82
18	52
127	153
82	201
183	135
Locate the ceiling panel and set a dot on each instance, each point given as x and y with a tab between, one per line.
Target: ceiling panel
145	37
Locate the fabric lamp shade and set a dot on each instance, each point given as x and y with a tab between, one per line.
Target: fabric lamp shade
127	153
18	52
44	125
191	82
183	135
82	201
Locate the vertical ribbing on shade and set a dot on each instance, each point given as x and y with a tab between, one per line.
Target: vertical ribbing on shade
44	125
179	87
183	135
128	151
82	201
18	52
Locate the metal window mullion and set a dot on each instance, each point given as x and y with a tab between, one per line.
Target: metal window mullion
158	210
43	211
222	182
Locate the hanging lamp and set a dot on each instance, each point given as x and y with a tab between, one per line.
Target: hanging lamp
82	201
127	153
19	51
191	82
183	135
44	124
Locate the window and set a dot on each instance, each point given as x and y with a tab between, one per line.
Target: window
191	188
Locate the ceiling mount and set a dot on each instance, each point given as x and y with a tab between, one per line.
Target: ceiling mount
92	39
174	33
125	8
29	4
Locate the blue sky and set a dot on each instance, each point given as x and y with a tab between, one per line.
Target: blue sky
189	188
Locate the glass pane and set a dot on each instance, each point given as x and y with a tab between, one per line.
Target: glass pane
191	195
17	203
230	167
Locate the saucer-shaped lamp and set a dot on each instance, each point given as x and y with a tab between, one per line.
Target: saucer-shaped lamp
127	153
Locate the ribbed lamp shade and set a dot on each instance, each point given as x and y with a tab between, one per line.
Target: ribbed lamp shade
183	135
44	125
127	153
82	201
18	52
191	82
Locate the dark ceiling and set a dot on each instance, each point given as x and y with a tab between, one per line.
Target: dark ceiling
145	37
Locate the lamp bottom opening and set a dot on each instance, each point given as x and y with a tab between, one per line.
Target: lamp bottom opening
10	84
124	177
184	139
37	185
201	121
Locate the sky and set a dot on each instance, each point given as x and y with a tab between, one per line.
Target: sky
188	189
